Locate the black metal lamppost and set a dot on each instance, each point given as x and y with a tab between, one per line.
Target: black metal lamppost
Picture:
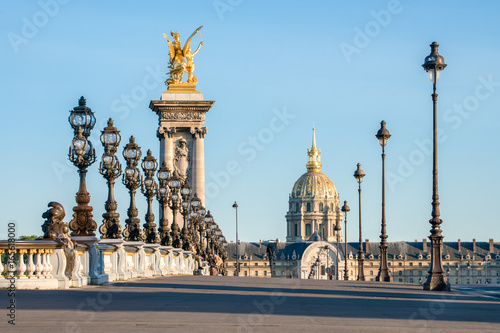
163	196
132	179
185	205
150	190
111	169
196	220
359	174
235	206
202	228
174	203
336	229
434	64
82	155
345	209
383	272
208	233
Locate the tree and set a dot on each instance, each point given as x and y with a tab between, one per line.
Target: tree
32	237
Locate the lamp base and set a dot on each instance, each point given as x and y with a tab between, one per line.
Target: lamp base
436	282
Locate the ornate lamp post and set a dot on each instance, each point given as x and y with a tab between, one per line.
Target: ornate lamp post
197	212
82	155
204	226
235	206
132	179
174	203
82	117
336	229
150	189
163	197
434	64
186	207
197	217
359	174
208	232
111	169
383	272
345	209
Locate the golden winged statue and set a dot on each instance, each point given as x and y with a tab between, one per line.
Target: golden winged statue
181	59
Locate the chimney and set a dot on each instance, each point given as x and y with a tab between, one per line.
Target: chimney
416	241
474	249
367	246
492	247
424	245
459	246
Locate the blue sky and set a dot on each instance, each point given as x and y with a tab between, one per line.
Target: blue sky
343	65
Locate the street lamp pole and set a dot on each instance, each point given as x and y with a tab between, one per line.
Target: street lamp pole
111	169
383	272
235	206
337	233
82	155
434	64
359	174
345	209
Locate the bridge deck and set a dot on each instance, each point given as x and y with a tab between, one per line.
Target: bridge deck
230	304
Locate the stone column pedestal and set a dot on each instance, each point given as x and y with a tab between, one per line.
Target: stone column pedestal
181	132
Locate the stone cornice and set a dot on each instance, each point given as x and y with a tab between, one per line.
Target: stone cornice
180	106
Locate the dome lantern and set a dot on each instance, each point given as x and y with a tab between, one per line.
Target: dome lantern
314	156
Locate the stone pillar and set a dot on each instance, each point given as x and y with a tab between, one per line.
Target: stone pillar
182	116
199	163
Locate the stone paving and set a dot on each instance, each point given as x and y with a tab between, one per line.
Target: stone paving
230	304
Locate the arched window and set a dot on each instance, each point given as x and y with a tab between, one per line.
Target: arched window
297	207
308	207
331	207
320	206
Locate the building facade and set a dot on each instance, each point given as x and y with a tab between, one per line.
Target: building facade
314	205
312	250
464	262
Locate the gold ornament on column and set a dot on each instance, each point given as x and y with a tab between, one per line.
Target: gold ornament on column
181	62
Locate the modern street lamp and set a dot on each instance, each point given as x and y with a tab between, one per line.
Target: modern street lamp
132	179
359	174
469	267
163	195
82	155
336	229
434	64
150	189
383	272
235	206
485	263
111	169
345	209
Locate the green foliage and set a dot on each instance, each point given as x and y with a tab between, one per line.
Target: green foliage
32	237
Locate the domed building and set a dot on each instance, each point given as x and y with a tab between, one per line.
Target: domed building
314	205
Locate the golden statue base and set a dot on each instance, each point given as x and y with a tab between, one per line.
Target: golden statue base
181	88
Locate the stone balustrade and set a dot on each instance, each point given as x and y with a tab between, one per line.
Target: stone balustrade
47	264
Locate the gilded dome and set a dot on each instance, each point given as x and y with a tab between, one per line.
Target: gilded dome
313	183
